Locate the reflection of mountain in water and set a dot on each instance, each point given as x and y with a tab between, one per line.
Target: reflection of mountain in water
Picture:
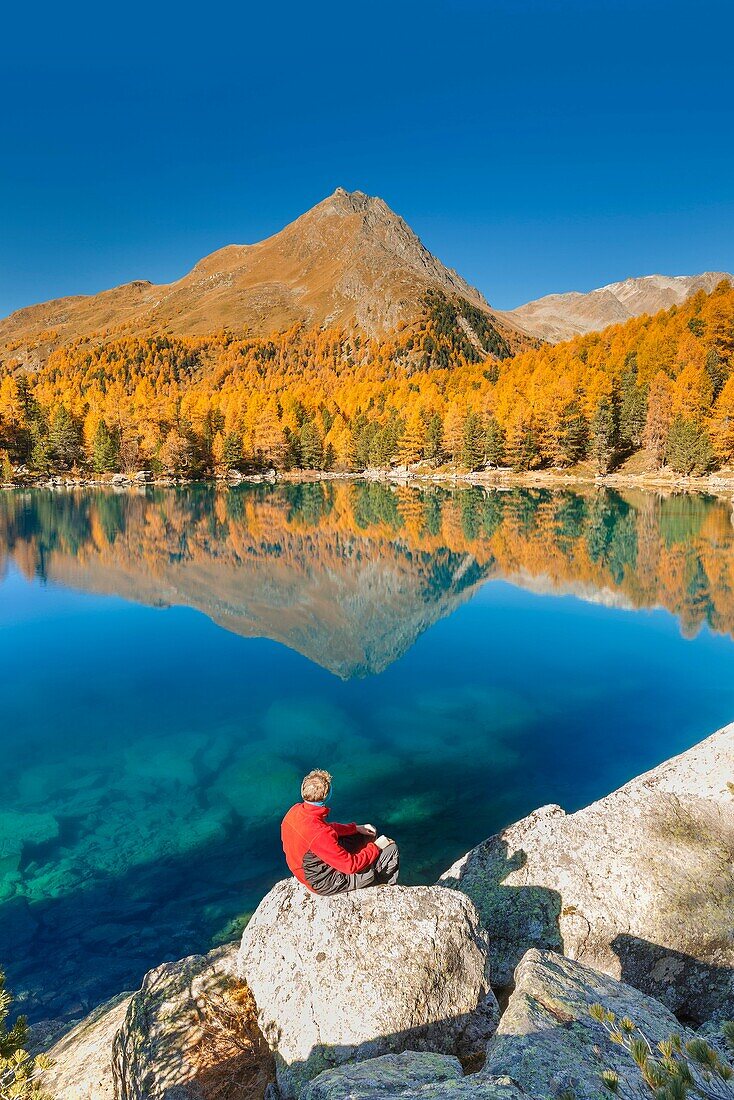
350	574
259	565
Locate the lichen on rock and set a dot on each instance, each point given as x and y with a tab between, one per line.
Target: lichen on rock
411	1075
547	1041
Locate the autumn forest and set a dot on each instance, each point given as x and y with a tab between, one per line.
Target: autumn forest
446	391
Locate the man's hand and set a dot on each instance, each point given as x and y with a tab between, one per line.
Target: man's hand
367	830
383	841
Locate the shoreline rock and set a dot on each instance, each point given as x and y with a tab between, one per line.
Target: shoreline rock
82	1059
160	1048
547	1041
412	1075
377	971
719	484
639	885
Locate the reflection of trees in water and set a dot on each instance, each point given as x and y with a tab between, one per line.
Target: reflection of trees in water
675	551
374	503
611	536
309	502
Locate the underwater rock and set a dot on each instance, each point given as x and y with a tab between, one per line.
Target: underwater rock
362	974
253	787
20	829
164	761
639	885
548	1042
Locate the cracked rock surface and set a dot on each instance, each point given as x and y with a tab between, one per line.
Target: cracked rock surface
156	1053
548	1042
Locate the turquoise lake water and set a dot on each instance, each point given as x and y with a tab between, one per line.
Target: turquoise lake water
171	662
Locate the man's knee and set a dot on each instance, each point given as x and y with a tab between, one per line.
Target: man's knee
390	856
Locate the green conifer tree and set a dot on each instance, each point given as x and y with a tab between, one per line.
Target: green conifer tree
494	442
603	436
105	450
472	452
232	454
434	450
64	440
571	436
689	449
632	411
717	371
311	446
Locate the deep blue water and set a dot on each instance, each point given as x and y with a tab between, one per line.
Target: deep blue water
455	661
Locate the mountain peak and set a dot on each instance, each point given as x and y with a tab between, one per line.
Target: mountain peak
348	261
559	317
346	203
352	197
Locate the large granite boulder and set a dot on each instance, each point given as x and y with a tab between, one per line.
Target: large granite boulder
639	885
378	971
189	1033
408	1076
82	1058
548	1042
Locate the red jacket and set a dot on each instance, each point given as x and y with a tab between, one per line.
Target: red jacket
312	849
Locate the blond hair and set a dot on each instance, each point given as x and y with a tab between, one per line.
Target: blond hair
316	786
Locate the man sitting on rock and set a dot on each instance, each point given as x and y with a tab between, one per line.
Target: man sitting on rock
329	858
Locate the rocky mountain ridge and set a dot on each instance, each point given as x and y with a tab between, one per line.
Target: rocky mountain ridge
559	317
349	261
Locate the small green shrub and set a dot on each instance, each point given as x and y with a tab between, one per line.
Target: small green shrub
671	1070
20	1074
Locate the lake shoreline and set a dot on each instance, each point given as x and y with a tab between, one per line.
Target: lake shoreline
499	479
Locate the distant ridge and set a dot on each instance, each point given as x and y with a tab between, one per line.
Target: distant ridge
349	261
558	317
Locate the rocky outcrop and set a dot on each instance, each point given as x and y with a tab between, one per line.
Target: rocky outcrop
548	1042
359	975
188	1033
639	885
82	1059
391	1074
409	1076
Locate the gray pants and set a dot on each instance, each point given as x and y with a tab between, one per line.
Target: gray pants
384	872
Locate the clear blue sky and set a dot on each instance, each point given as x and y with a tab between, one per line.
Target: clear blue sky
534	145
